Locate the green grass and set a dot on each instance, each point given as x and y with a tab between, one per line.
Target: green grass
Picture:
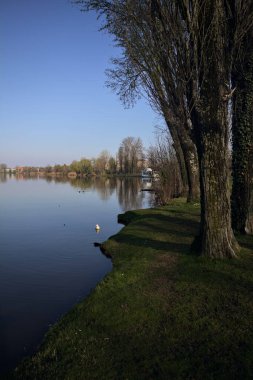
162	313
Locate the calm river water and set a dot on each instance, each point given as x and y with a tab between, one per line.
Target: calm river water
47	259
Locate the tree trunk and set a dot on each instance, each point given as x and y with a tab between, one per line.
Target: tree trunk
191	164
179	154
216	238
187	158
242	128
211	128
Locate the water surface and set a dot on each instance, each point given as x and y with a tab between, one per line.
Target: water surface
47	259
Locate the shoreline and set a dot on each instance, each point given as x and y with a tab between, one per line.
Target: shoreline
160	313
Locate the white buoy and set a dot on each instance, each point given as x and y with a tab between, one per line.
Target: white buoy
97	227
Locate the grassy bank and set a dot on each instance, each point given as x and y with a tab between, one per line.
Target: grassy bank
162	313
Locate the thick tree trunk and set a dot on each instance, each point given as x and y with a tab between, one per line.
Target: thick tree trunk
242	128
211	128
216	238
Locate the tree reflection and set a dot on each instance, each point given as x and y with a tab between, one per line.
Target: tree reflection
128	190
105	187
3	177
129	193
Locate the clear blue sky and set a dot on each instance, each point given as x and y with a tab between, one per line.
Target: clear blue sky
54	105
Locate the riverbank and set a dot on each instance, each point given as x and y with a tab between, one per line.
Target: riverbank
162	313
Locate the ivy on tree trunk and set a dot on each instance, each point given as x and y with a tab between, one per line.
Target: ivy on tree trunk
242	128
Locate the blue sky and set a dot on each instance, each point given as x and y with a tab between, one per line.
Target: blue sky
54	105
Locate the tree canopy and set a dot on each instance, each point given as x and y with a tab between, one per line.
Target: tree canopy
181	54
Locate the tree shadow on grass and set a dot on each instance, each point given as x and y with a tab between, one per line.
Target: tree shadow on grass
159	214
160	232
142	243
173	226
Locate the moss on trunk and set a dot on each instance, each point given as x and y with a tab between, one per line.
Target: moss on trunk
242	162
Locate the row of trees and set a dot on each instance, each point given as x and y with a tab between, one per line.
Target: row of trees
130	159
193	60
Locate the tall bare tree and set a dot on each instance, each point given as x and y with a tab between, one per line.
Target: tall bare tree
162	159
139	72
131	155
102	162
190	45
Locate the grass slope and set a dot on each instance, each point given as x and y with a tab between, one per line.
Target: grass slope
162	313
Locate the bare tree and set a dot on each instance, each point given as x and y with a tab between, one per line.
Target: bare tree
139	73
102	162
190	45
131	155
202	39
162	159
112	165
120	159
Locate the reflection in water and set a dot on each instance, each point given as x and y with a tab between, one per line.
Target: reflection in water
48	260
3	177
105	187
129	193
128	189
80	183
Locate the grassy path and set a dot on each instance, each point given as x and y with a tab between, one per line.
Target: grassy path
162	313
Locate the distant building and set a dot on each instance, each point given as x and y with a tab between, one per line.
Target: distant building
147	173
19	169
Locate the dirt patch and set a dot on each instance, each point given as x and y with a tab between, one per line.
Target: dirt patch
161	274
164	260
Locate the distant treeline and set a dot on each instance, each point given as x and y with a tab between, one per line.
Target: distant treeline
130	159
